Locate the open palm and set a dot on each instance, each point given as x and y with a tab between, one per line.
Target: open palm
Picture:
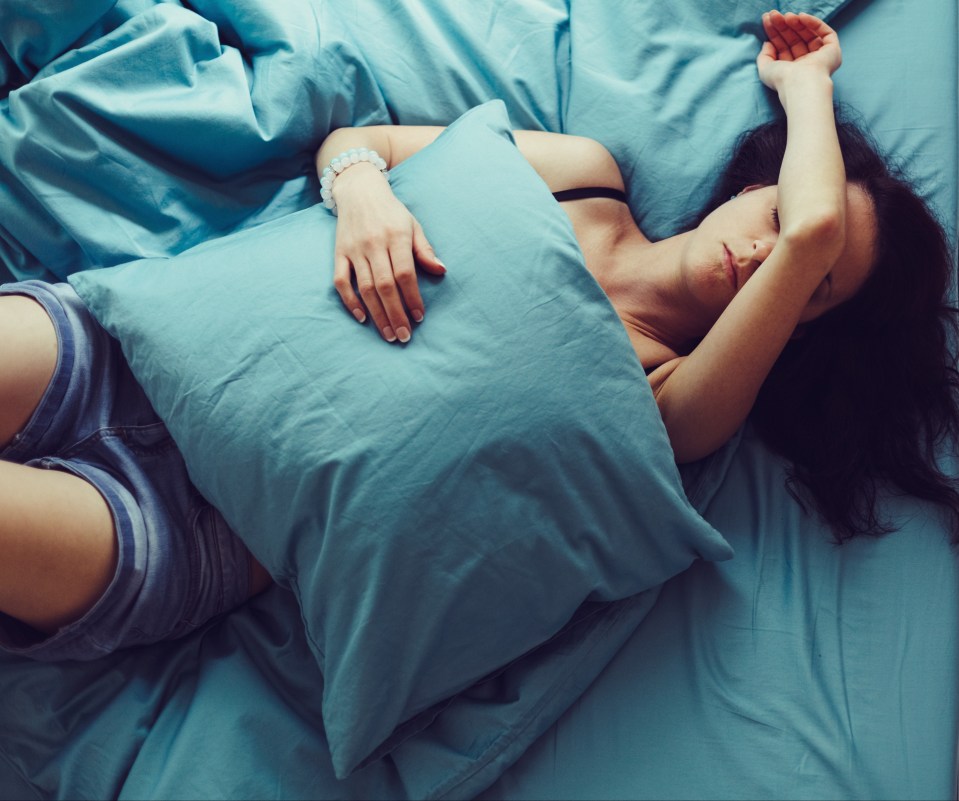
796	39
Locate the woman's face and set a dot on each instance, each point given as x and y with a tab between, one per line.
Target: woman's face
732	243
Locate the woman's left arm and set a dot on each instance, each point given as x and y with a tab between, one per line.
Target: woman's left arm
705	396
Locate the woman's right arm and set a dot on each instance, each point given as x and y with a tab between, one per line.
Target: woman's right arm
379	242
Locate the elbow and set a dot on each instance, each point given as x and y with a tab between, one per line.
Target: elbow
691	438
828	224
822	232
687	449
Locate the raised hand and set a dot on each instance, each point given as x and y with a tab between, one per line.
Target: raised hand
796	41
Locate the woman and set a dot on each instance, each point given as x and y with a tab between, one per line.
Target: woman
860	399
865	396
701	287
708	312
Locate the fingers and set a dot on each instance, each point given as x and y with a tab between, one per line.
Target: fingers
800	30
816	26
424	252
796	30
366	284
386	285
767	52
404	274
343	283
804	31
780	47
396	325
797	37
784	37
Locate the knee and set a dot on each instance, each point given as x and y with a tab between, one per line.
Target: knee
27	361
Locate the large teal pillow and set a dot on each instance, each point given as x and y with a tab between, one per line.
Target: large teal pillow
441	508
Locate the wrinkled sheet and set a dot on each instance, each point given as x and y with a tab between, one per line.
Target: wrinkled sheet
789	672
170	123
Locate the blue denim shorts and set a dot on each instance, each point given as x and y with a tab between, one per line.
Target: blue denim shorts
179	564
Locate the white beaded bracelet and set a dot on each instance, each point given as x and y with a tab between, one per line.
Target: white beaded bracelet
341	162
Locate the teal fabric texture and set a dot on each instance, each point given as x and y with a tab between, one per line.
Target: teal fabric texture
509	464
35	32
795	668
666	87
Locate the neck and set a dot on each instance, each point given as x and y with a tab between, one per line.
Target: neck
645	284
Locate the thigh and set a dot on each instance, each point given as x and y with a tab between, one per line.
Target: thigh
28	359
58	546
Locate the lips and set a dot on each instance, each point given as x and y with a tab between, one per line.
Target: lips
730	269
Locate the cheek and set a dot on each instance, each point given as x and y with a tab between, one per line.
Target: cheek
704	273
709	288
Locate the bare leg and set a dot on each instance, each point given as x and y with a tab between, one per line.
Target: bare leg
58	548
28	357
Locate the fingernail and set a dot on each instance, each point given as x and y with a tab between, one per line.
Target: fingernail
359	315
443	266
403	334
388	334
417	315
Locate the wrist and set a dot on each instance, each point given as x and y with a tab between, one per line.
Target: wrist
358	177
347	169
804	80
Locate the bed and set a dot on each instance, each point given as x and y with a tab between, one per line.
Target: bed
794	669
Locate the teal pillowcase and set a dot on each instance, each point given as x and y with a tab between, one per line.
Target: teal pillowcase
440	508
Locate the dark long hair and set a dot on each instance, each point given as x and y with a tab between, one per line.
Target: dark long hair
865	400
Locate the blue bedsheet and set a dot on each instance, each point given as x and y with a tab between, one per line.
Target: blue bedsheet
170	122
141	128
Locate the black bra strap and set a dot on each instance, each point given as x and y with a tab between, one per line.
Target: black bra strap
590	191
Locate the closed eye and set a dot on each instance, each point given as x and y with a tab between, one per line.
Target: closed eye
775	214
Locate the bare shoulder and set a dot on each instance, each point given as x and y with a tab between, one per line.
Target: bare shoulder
566	161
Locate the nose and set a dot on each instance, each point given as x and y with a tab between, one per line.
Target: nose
761	249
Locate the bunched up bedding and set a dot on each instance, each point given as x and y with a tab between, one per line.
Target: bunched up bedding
176	139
